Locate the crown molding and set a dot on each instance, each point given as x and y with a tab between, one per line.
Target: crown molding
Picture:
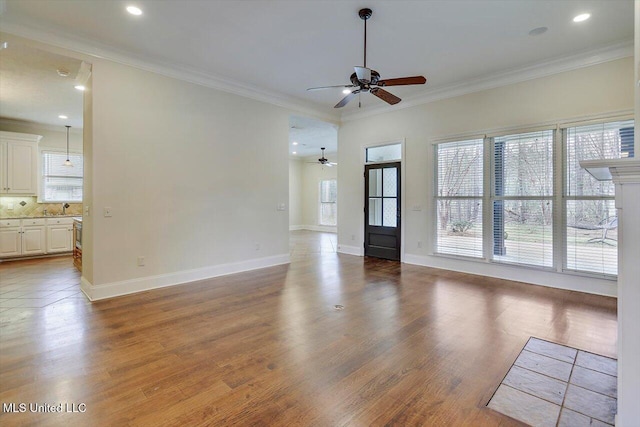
191	75
517	75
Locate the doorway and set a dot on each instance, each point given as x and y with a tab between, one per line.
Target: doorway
382	214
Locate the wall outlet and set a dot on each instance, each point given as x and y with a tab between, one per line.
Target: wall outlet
140	261
86	210
419	244
10	206
257	246
353	237
282	206
107	212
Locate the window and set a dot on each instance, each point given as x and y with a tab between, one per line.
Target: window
532	222
328	202
61	183
591	222
384	153
459	197
523	198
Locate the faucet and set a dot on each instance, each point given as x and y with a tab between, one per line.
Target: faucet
64	208
45	212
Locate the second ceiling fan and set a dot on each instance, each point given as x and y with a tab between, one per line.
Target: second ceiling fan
367	80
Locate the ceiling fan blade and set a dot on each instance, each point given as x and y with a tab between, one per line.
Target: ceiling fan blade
385	96
401	81
346	99
330	87
364	74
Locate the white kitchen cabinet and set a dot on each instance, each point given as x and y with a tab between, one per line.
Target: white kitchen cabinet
18	163
10	241
33	237
59	235
22	237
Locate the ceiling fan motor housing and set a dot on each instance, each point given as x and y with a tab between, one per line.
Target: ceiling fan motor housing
365	14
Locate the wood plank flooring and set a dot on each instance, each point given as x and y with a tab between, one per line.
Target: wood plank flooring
412	346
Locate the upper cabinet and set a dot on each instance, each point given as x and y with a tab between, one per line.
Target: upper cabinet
19	163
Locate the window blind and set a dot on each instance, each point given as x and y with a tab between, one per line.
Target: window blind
591	221
459	198
61	183
522	198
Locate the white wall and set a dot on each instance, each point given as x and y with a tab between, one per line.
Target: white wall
193	178
295	194
588	91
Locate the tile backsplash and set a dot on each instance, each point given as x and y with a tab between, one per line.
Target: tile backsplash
33	208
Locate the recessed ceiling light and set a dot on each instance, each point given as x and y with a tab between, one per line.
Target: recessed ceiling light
346	91
63	117
582	17
294	152
134	10
79	87
295	143
538	31
63	72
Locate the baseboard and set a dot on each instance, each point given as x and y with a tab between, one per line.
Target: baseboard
323	228
591	285
351	250
125	287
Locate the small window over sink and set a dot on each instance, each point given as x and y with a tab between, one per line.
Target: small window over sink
61	183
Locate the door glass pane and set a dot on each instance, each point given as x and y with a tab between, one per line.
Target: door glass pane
375	182
375	211
390	212
390	182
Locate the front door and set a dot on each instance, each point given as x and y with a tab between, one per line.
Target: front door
382	211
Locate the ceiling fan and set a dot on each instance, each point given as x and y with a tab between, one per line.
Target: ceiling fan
367	80
324	161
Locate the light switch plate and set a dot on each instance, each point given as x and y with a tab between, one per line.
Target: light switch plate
282	206
107	212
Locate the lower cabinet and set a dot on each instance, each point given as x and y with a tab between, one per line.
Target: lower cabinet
59	235
35	236
33	239
10	241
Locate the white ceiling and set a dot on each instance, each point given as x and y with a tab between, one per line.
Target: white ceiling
32	90
311	135
282	47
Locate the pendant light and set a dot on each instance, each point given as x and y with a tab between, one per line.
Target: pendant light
67	162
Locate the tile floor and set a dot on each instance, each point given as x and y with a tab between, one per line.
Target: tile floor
306	243
554	385
37	283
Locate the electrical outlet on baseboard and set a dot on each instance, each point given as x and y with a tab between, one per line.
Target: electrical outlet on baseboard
140	261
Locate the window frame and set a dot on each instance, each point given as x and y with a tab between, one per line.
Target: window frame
437	198
552	198
565	198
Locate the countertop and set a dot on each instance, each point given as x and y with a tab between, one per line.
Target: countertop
41	216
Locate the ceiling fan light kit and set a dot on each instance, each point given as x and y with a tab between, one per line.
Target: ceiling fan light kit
367	80
323	160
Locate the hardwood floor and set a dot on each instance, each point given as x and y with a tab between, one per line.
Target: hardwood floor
412	346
